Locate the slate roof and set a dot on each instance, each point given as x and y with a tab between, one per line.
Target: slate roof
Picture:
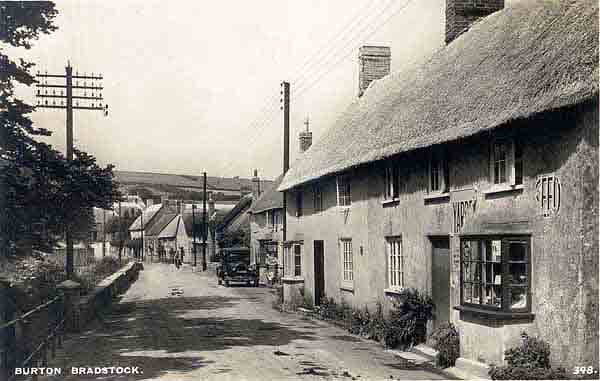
170	230
531	57
147	215
270	199
160	223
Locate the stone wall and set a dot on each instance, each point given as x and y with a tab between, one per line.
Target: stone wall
87	307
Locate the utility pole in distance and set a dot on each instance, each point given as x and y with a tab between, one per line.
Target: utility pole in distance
65	101
194	234
204	229
285	92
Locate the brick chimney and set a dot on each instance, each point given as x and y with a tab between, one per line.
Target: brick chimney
373	64
305	138
461	14
255	185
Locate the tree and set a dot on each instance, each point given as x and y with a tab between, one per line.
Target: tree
39	189
118	228
240	237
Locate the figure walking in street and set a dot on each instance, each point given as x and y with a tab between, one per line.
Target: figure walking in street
181	256
172	256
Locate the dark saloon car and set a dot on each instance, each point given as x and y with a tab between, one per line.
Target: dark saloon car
235	267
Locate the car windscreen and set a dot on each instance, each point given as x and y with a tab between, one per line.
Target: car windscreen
237	258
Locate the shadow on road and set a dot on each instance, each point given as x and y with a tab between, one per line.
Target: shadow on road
163	335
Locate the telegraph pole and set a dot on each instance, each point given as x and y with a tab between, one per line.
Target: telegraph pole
120	233
286	153
142	222
204	229
194	233
65	99
103	232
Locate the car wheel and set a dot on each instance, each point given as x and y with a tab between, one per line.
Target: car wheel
256	284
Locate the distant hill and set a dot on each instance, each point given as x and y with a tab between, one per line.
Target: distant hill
184	187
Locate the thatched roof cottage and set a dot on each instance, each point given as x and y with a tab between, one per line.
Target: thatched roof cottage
474	178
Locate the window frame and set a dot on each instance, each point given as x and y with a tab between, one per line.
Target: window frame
391	181
442	169
399	270
290	266
299	200
344	200
297	259
513	163
317	198
505	262
347	263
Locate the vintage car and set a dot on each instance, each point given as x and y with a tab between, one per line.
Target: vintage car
235	267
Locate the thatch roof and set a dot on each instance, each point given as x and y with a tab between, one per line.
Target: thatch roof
270	199
214	220
231	220
529	58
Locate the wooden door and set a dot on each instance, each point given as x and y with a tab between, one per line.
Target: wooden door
319	271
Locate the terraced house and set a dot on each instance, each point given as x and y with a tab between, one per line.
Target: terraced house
473	177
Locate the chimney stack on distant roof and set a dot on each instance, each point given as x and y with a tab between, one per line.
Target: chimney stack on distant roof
461	14
374	63
305	138
255	185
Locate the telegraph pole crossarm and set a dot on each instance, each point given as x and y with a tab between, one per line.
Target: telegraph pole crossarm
64	100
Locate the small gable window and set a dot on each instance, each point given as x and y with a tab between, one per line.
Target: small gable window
317	198
438	172
299	203
506	162
391	182
343	190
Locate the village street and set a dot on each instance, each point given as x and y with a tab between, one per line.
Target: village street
213	332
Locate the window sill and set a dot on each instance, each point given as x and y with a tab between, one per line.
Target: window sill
393	201
292	279
393	291
347	287
502	188
439	197
499	315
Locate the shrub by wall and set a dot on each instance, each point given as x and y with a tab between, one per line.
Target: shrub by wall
446	341
529	361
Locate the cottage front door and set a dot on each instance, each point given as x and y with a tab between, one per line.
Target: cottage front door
319	271
440	279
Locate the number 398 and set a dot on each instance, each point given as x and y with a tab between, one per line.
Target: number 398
583	370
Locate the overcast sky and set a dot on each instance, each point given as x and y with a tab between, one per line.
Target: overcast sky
185	80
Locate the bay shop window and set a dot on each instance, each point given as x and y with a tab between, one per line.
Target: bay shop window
495	273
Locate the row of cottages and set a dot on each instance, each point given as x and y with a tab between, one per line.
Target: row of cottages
473	178
170	225
266	222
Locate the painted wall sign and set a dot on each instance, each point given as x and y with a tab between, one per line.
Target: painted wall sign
548	194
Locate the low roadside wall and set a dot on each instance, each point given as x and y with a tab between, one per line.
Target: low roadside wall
90	305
